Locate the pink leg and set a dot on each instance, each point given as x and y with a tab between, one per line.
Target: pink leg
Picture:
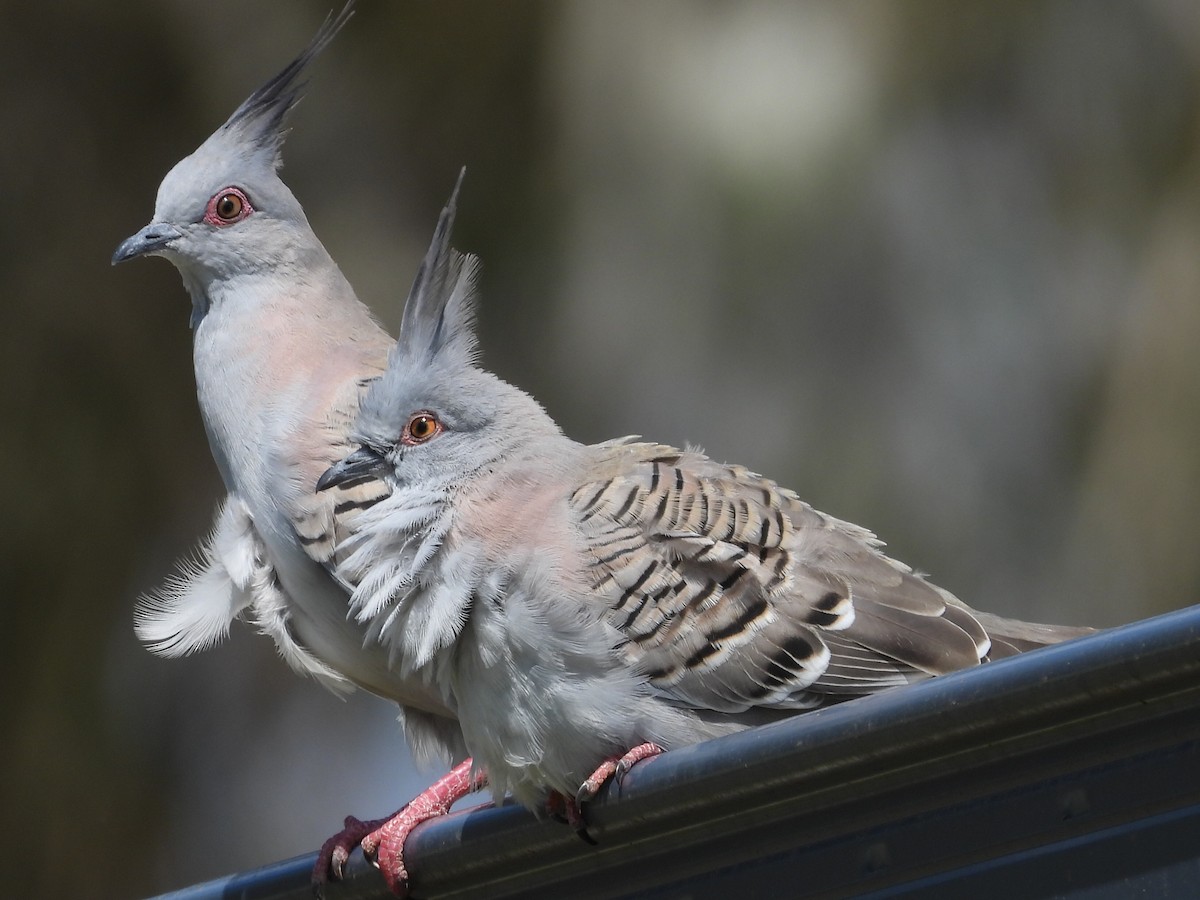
615	767
382	840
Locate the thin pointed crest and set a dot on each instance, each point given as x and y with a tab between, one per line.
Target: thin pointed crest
258	122
439	314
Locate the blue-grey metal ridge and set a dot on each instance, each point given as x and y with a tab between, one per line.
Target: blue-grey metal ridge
1103	710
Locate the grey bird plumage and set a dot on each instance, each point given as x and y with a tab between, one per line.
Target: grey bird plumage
283	350
576	601
400	519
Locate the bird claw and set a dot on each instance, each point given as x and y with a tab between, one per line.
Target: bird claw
566	810
384	846
331	858
616	767
382	843
382	840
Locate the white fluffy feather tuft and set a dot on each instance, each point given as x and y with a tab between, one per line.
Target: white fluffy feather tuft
192	611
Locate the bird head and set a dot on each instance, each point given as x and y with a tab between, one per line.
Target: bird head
223	211
435	417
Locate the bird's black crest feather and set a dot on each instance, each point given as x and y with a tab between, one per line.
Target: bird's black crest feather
260	117
439	314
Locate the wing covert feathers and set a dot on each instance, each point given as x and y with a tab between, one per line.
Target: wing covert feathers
731	593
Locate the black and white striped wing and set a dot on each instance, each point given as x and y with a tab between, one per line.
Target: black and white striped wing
731	593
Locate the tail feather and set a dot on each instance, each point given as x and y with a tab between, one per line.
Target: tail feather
1012	636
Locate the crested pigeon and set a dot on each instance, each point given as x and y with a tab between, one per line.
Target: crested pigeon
283	350
588	606
550	607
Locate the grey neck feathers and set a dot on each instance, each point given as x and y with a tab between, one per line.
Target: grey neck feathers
304	267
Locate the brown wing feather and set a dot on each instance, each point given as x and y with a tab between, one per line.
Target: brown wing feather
732	593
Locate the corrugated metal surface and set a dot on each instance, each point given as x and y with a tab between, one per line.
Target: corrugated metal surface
1072	771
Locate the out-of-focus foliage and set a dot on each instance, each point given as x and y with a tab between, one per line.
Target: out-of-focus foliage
934	265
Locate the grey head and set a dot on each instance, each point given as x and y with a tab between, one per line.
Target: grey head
223	211
435	417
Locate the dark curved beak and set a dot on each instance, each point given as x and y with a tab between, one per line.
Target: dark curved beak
151	239
361	465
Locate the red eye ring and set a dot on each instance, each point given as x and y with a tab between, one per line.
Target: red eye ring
421	427
227	206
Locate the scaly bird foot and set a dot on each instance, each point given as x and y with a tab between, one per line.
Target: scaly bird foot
615	767
331	858
382	840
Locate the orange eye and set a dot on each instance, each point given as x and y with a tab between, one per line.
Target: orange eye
229	207
420	428
226	207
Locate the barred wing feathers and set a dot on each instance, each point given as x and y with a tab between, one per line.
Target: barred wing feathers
732	593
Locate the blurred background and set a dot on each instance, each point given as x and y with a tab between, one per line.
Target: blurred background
934	265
